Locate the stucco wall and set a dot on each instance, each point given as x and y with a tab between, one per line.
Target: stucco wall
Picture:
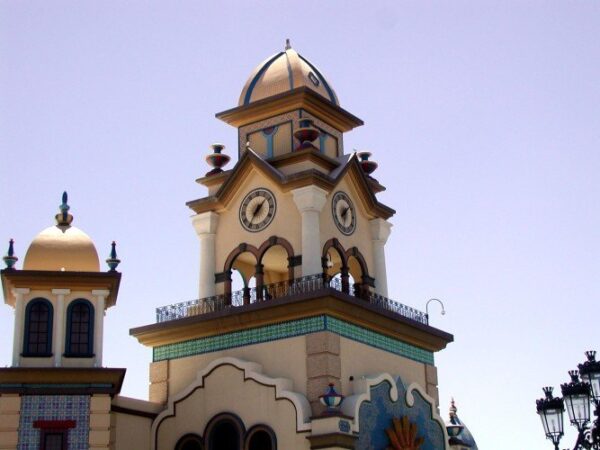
225	390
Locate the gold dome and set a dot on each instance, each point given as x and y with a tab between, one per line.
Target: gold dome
281	73
62	247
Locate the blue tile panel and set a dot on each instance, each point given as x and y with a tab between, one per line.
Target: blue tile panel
54	407
289	329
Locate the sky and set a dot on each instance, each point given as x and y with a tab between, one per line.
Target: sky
484	118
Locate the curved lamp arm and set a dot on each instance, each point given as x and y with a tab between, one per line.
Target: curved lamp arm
434	300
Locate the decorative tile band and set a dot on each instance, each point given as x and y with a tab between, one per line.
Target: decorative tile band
289	329
54	408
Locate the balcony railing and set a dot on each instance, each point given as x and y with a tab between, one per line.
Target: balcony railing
276	291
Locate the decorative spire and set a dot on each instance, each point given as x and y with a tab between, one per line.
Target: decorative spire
63	218
453	408
287	44
112	260
10	259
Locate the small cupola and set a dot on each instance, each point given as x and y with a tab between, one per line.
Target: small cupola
62	247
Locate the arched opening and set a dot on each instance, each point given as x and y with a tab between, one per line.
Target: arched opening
239	283
260	437
240	269
335	266
80	329
38	328
275	269
190	442
224	432
357	268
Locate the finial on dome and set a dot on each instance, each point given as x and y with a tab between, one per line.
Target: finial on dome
112	260
63	218
453	408
10	259
288	45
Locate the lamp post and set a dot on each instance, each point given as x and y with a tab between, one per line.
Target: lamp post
578	396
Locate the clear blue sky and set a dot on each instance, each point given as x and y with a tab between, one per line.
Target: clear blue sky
483	116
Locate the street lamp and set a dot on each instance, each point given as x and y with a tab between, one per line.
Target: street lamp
578	397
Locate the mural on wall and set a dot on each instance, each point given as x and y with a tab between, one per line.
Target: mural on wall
406	421
403	435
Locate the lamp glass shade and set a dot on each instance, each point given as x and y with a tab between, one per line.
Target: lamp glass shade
578	407
552	421
593	378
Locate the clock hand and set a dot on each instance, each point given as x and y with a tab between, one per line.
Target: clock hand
257	210
345	212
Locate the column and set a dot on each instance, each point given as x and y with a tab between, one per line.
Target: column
205	225
310	201
100	295
19	294
380	231
58	341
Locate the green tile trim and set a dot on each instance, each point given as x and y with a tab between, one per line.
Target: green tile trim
378	340
289	329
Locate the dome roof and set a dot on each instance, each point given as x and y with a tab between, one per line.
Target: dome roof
62	247
281	73
464	438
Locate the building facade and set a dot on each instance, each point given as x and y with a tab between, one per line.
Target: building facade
293	342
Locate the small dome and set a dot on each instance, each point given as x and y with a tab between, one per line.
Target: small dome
281	73
62	247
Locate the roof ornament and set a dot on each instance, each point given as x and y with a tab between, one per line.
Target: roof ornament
453	408
287	44
63	218
216	159
112	260
10	259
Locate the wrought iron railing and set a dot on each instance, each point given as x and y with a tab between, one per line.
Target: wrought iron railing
275	291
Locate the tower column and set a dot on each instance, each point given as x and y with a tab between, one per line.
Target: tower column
59	325
101	295
19	294
310	201
205	225
380	232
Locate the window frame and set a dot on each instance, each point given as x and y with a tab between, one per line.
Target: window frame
27	329
90	333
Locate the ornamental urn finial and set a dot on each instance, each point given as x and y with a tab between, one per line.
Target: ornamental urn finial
306	134
112	259
216	159
331	399
63	218
367	166
10	259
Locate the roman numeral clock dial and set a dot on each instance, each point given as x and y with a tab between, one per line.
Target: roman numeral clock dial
257	210
344	214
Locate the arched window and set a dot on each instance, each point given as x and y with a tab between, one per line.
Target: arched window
190	442
260	437
80	329
224	432
38	328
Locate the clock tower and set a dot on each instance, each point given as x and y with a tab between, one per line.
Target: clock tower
293	291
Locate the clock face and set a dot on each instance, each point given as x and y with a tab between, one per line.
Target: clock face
344	214
257	209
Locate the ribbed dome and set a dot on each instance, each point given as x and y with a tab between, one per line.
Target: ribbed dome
283	72
62	247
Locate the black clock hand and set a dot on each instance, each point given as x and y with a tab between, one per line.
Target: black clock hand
344	213
256	210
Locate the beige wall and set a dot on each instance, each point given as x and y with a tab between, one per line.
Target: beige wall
283	358
362	360
10	413
225	390
129	432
